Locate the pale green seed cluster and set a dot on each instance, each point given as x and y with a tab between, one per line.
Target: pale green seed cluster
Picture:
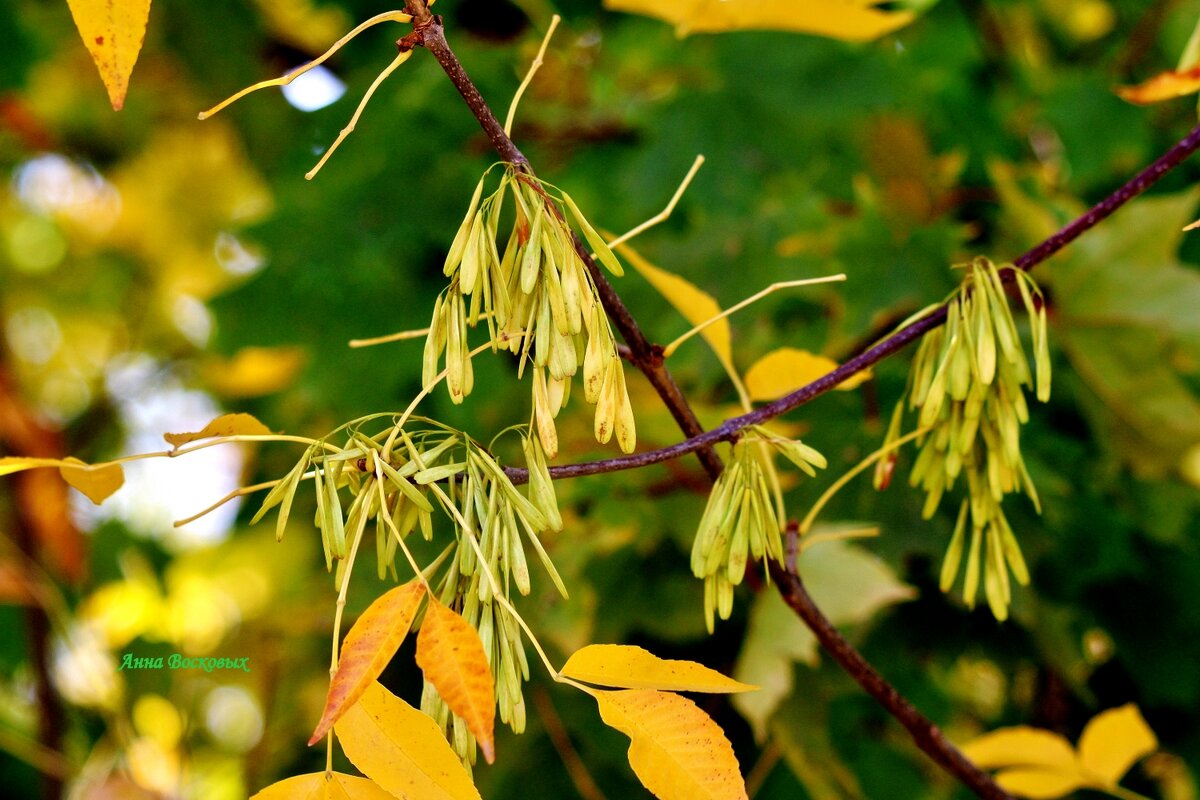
395	478
967	384
741	519
539	302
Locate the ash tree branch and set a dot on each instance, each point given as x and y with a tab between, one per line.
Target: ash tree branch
649	358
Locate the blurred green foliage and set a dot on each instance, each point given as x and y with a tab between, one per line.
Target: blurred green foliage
150	244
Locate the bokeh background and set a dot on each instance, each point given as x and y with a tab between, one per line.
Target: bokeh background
156	271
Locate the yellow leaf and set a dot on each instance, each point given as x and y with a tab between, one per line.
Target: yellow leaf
368	648
676	750
10	464
1113	742
113	33
314	786
451	655
851	20
787	369
97	481
695	305
1039	783
254	371
1021	746
402	749
224	425
1163	86
631	667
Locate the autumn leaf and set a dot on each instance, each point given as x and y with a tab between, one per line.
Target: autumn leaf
401	749
10	464
630	667
451	655
316	786
694	304
675	749
1113	741
1040	764
224	425
113	33
368	648
851	20
96	481
254	371
1163	86
787	369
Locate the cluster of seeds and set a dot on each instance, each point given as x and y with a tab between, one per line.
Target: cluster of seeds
539	302
967	384
396	478
741	519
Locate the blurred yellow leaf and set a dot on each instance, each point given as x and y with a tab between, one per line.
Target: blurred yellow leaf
10	464
1021	745
1039	764
451	655
254	371
675	749
96	481
302	24
851	20
368	648
1163	86
630	667
224	425
401	749
1038	783
113	33
1114	741
694	304
314	786
787	369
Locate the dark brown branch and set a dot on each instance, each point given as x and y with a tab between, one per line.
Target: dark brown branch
925	734
647	357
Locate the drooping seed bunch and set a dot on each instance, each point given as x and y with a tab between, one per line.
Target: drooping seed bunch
539	302
967	383
741	520
396	477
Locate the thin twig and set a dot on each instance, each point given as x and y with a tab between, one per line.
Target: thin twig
576	769
666	212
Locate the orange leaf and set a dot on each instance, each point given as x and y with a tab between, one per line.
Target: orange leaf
224	425
97	481
676	750
630	667
402	749
1163	86
368	648
314	786
451	655
113	33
